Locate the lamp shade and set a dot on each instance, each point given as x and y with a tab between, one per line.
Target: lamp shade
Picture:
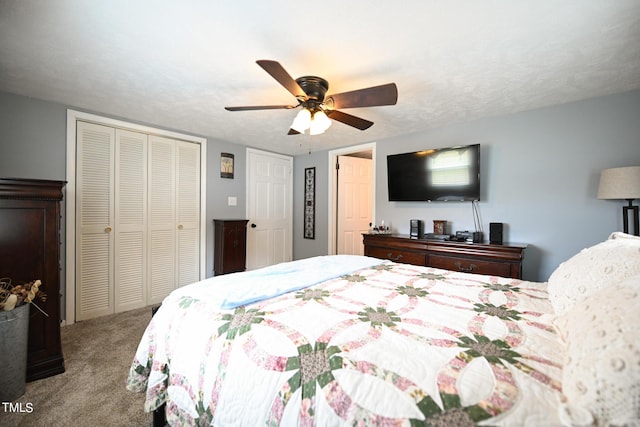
319	123
302	121
620	183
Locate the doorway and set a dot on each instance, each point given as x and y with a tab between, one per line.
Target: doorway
269	208
345	233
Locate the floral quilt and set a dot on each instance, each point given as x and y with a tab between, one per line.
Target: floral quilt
388	345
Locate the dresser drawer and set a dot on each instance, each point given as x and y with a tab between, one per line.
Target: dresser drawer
396	255
470	265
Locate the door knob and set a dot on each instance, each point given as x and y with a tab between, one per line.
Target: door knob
253	225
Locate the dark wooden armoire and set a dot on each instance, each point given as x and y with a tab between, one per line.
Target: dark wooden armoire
230	246
29	250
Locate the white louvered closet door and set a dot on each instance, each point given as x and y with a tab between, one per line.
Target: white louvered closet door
188	212
162	218
94	220
138	218
130	290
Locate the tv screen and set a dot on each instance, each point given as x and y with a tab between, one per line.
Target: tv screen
443	174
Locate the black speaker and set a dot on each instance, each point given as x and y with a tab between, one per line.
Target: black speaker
495	233
415	229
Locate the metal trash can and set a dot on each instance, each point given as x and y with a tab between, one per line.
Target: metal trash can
14	336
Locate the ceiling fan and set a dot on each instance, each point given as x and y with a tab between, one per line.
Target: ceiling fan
317	110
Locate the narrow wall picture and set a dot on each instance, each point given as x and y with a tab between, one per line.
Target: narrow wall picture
310	203
226	165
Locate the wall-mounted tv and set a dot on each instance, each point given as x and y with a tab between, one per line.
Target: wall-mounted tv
442	174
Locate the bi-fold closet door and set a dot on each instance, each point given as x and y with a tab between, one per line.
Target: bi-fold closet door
137	218
174	215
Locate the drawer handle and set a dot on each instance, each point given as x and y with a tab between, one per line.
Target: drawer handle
391	257
465	269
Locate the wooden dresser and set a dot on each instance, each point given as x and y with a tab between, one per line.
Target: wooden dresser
230	246
480	258
29	250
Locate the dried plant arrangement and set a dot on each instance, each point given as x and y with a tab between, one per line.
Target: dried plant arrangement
12	296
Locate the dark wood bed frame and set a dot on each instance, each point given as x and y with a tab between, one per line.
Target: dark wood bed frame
159	415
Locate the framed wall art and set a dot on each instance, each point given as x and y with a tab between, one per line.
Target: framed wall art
226	165
310	203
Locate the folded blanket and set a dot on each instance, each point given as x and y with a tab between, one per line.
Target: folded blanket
233	290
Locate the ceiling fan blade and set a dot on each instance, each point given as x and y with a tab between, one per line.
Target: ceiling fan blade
280	74
350	120
369	97
261	107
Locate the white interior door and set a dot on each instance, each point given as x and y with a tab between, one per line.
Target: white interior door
130	231
94	220
269	202
162	218
188	212
355	203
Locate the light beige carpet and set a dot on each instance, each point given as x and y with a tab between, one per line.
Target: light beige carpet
97	355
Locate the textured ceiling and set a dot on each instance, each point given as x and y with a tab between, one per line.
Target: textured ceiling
178	64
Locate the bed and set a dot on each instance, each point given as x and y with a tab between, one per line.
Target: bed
350	340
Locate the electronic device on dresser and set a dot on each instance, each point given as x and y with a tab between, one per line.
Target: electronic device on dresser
415	229
469	236
495	233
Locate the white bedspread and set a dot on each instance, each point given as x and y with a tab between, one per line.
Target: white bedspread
385	344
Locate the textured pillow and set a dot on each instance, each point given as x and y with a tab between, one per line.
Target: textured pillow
592	269
601	376
618	235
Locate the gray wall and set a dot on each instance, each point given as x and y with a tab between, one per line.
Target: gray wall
33	138
219	189
304	248
540	172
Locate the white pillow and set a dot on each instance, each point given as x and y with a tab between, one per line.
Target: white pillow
601	375
620	235
592	269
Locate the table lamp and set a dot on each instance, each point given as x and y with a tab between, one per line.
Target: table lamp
622	184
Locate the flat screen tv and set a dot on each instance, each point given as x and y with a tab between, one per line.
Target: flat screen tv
443	174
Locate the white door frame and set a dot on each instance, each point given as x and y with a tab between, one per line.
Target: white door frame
332	189
70	195
290	202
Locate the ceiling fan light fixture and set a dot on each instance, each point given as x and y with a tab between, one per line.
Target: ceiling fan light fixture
319	123
302	122
310	93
